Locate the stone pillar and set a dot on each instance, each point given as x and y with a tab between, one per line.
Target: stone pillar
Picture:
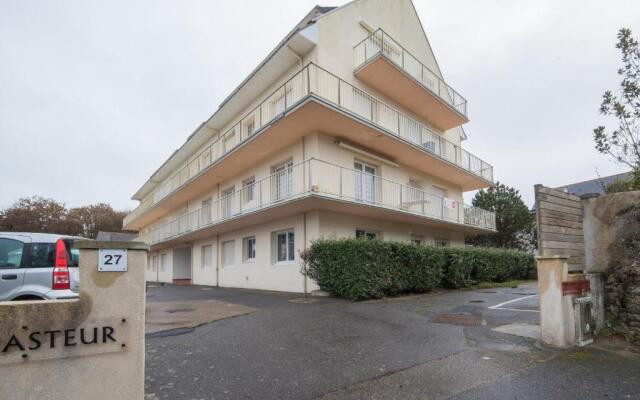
86	348
557	320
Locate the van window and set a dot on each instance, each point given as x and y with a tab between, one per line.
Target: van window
10	253
42	255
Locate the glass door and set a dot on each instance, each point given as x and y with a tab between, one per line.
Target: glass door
282	181
227	202
365	182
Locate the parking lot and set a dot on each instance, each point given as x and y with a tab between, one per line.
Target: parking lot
474	344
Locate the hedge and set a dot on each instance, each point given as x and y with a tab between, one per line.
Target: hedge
360	269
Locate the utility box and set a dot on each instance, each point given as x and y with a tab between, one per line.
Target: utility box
585	323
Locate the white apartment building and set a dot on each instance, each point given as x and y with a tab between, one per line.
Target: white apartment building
346	129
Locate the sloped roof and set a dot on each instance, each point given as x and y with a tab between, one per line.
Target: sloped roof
590	187
594	186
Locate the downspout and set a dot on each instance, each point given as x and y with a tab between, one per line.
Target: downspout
304	233
218	260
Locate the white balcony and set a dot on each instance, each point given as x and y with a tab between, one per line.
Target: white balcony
316	184
316	100
384	64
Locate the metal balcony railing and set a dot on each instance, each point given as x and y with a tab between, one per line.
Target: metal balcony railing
380	43
317	82
327	180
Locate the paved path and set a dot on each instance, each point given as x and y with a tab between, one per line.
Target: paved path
326	348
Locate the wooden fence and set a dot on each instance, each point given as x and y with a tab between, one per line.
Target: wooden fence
559	224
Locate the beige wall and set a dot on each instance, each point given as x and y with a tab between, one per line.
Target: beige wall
266	274
323	147
108	369
340	31
336	225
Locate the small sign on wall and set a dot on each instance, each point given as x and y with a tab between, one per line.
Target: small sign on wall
112	260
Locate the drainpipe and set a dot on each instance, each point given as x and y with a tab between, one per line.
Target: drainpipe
304	234
218	260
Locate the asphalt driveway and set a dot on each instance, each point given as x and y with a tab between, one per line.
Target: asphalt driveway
435	346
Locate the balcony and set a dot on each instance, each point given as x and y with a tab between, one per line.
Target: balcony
385	65
310	101
315	184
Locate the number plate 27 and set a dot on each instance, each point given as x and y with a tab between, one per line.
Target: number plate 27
112	260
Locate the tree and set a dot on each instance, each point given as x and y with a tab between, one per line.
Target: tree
38	214
623	143
97	217
514	221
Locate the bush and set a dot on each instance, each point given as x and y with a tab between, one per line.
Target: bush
468	266
359	269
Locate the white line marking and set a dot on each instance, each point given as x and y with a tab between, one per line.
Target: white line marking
499	306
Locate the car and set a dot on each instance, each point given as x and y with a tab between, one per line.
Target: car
38	266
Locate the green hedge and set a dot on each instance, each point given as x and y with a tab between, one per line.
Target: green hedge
359	269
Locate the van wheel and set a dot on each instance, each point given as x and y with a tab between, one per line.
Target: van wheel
27	297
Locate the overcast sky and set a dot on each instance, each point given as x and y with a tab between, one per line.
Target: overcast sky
95	95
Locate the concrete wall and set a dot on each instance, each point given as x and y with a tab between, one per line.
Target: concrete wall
112	368
341	30
336	225
323	147
612	249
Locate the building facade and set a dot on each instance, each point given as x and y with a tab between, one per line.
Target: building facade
346	129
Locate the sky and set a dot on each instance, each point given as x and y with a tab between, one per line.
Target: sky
95	95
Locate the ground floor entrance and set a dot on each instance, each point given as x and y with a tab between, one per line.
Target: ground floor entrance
267	255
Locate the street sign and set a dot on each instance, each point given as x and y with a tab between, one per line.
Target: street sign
112	260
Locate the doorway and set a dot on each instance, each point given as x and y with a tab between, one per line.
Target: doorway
182	265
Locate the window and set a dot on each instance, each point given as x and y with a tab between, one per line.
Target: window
154	263
365	182
282	181
10	253
438	201
205	211
284	243
440	242
228	253
247	189
417	239
249	248
227	202
250	126
163	262
42	255
206	256
229	140
366	234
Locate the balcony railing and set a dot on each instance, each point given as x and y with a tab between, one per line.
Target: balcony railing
326	180
315	81
380	43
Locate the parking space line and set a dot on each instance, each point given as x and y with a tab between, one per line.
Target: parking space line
499	306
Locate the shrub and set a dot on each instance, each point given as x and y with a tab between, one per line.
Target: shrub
359	269
465	267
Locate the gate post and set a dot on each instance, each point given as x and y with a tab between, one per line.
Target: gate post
86	348
557	323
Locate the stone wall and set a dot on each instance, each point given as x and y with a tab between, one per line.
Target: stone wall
612	250
89	348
